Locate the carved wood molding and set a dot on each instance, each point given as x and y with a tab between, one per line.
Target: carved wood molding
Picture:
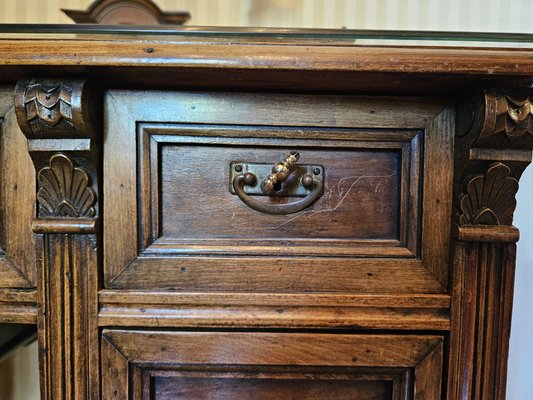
481	312
59	119
493	147
64	190
18	306
489	198
508	121
129	358
52	108
67	317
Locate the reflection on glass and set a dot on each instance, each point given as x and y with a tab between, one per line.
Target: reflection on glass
234	34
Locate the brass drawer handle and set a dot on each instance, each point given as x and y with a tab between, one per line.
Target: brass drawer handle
285	180
280	173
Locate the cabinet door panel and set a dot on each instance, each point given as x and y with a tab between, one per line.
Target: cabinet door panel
207	365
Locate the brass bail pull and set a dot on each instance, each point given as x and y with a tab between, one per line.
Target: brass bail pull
281	180
280	173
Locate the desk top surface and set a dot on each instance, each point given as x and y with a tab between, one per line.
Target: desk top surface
385	61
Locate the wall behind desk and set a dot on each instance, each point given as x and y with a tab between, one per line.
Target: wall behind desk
467	15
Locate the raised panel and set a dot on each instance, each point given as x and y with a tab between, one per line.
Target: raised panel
272	386
366	208
193	365
17	201
196	203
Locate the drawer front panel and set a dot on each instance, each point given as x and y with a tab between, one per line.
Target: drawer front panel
194	365
173	221
360	200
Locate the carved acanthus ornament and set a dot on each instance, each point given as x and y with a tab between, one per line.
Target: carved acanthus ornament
64	190
489	198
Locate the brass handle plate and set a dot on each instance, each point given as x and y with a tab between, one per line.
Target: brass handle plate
285	179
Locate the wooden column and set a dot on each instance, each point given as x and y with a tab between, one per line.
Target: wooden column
493	148
57	117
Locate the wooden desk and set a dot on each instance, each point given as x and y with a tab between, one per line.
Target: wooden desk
156	265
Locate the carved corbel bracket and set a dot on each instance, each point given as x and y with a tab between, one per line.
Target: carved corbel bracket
493	147
58	117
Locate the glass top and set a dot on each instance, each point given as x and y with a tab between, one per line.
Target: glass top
169	33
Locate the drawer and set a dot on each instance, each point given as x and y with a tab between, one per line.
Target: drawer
233	365
174	221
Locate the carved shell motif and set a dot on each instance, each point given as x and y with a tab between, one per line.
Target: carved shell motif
48	100
490	198
514	116
64	190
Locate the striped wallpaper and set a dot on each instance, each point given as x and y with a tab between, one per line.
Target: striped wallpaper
468	15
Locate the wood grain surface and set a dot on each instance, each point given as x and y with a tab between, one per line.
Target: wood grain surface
218	361
273	310
267	56
18	306
185	157
200	65
17	256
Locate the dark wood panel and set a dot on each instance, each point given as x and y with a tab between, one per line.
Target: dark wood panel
308	387
438	197
360	199
199	180
129	110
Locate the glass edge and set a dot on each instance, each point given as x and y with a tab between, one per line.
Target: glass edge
296	33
